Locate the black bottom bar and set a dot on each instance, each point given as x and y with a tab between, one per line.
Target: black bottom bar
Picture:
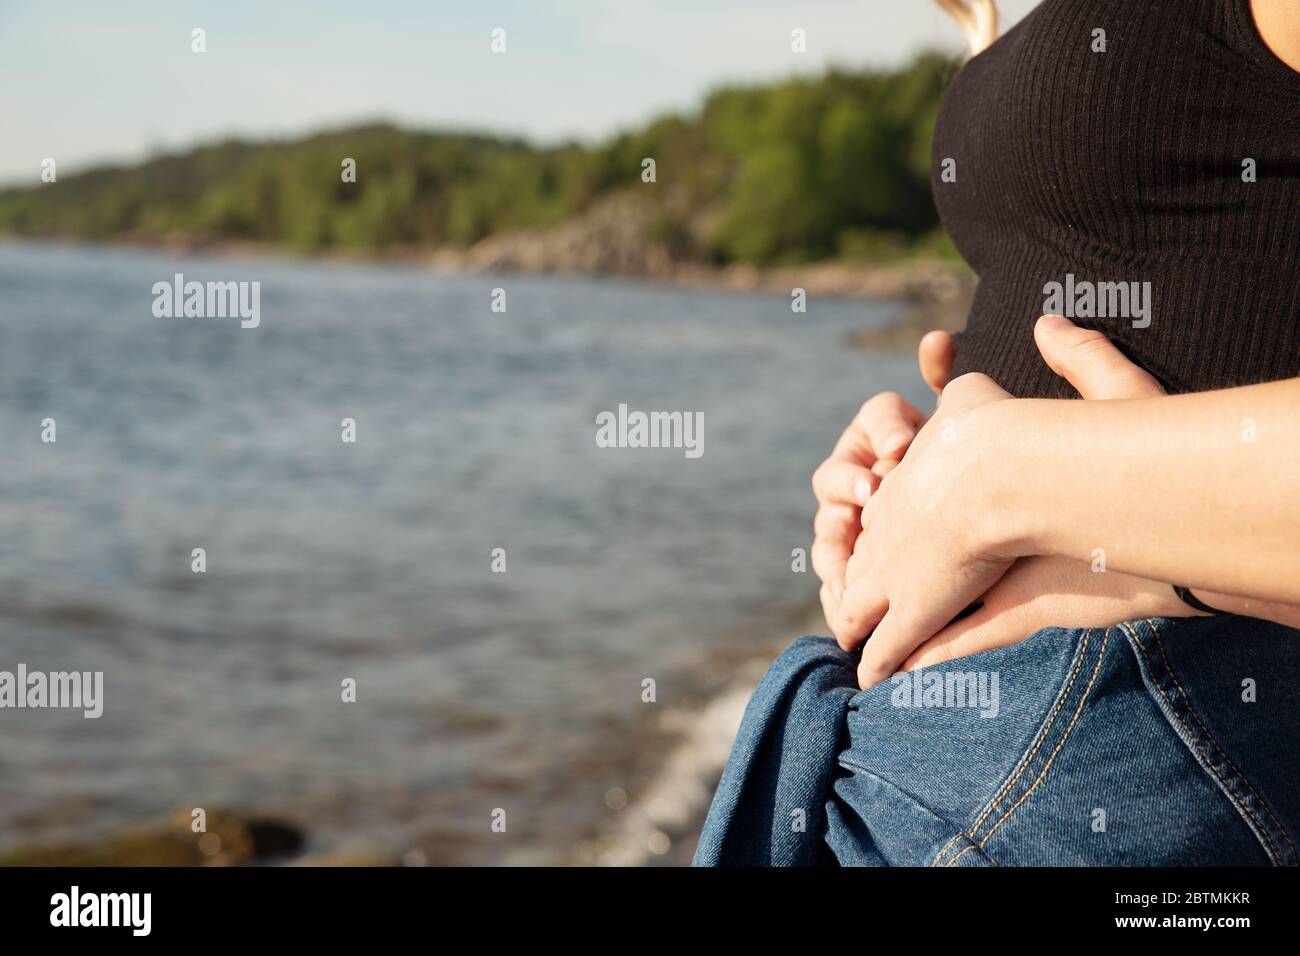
330	906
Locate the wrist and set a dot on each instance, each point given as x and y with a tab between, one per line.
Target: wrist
1006	478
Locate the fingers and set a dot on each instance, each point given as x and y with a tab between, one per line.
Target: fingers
973	388
838	480
887	424
894	636
935	355
857	564
1090	362
830	602
841	487
883	467
892	640
836	521
861	609
835	528
845	481
869	448
830	558
984	630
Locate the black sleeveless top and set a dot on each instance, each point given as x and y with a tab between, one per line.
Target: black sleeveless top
1088	169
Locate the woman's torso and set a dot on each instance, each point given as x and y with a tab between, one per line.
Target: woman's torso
1146	179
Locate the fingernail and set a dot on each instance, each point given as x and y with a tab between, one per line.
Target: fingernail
862	490
837	590
1054	323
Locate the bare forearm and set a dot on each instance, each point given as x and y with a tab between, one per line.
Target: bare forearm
1202	489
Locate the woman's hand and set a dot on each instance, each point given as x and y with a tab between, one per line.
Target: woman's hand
924	553
872	444
1041	591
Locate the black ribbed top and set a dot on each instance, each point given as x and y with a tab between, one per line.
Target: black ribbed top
1126	166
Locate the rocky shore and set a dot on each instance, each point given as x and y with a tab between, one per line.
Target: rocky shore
656	823
615	239
610	240
225	840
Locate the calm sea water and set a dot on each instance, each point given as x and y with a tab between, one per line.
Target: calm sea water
327	560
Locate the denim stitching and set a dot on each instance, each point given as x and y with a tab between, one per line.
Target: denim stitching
1028	758
1042	735
858	768
1203	747
1042	774
1222	750
970	845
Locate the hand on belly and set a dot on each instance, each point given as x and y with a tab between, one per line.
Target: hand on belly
1041	592
1036	592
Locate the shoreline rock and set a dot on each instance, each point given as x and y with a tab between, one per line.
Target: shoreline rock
227	840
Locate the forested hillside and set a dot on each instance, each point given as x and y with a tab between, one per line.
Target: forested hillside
800	171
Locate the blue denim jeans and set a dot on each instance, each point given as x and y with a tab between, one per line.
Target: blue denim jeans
1167	741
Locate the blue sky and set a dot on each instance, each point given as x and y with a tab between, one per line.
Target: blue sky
86	81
